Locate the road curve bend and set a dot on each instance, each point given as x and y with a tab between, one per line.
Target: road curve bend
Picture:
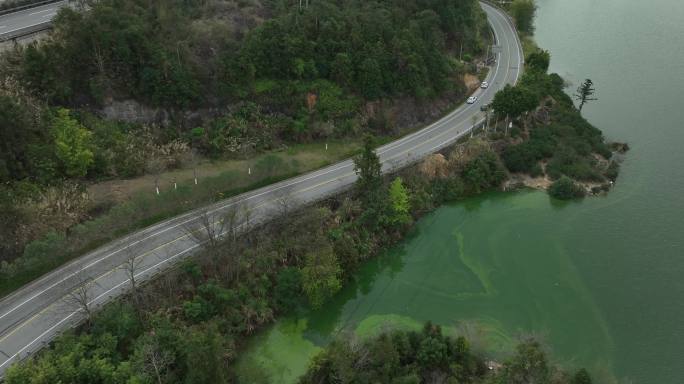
35	314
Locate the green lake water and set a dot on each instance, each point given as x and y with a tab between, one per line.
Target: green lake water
601	280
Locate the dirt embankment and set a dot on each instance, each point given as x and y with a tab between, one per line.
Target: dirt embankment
472	82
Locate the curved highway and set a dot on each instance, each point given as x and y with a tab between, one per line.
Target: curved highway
32	316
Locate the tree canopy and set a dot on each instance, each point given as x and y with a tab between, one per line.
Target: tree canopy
73	144
514	101
399	202
539	60
157	53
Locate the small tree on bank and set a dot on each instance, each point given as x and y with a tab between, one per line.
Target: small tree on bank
585	92
566	189
367	167
321	276
539	60
369	186
514	101
399	202
73	144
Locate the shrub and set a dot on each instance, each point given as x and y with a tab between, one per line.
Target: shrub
448	189
537	170
566	189
321	276
483	172
612	171
288	289
520	158
568	162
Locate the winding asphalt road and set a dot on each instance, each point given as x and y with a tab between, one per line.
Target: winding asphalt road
32	316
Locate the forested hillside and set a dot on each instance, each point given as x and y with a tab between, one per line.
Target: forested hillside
254	75
181	54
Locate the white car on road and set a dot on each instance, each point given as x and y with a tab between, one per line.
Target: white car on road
472	100
484	85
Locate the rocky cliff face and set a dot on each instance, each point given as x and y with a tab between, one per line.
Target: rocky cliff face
132	111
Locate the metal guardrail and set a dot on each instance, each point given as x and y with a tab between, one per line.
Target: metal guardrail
27	6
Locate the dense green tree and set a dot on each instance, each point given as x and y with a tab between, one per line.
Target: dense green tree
75	359
399	202
343	69
483	172
15	137
321	276
367	167
120	320
539	60
523	12
370	78
73	144
566	189
432	352
211	300
203	354
513	101
288	289
528	365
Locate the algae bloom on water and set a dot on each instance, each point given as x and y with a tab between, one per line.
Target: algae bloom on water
486	269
